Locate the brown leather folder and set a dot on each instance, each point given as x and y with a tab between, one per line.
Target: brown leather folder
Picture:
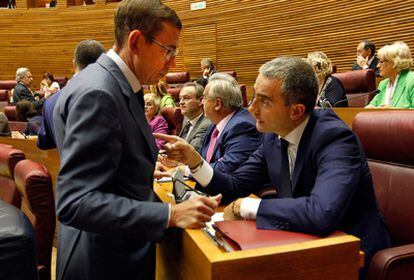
243	235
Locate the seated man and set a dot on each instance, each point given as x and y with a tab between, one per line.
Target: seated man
207	70
232	136
366	58
315	162
195	124
22	89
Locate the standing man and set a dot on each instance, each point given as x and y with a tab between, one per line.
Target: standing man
366	58
86	52
314	160
195	124
105	202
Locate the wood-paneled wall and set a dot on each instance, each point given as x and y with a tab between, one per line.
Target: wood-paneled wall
238	34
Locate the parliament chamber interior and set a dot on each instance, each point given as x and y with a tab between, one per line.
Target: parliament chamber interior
238	37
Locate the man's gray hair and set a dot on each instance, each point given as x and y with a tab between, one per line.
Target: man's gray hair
20	73
227	88
299	82
198	89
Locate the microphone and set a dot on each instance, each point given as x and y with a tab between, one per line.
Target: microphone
356	97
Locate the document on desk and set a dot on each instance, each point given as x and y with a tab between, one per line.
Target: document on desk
210	231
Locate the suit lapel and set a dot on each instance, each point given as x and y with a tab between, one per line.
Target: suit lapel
136	109
400	89
194	130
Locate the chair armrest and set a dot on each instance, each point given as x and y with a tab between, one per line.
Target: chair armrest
393	263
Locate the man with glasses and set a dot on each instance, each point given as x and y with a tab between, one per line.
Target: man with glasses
105	202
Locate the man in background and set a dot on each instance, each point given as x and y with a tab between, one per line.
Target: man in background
22	89
86	52
105	203
195	124
207	70
366	58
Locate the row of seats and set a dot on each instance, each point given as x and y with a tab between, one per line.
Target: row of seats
26	185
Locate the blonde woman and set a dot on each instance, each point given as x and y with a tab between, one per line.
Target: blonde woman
161	91
397	90
331	90
157	123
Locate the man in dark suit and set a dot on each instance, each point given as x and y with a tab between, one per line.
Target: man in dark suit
195	124
366	58
86	52
207	70
315	162
22	89
232	136
105	202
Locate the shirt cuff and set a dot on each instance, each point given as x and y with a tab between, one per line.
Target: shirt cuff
249	207
204	175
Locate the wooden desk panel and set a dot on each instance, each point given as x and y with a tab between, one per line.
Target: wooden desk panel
190	254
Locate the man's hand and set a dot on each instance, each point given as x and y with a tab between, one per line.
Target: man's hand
362	62
206	72
179	150
194	213
232	211
160	171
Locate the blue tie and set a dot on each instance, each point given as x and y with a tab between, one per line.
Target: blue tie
285	189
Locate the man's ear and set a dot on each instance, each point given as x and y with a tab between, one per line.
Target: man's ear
135	40
218	104
297	111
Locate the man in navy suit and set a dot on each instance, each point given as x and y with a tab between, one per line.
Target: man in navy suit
232	136
86	52
314	161
366	58
105	203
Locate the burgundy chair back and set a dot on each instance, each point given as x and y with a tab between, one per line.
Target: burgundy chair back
11	112
174	119
9	157
7	84
358	85
4	95
175	82
388	138
17	126
62	81
34	183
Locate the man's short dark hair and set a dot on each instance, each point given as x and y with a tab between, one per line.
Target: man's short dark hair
368	45
87	52
299	82
144	15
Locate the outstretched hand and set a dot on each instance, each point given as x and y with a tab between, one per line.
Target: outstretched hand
179	150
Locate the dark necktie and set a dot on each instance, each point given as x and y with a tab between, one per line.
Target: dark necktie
186	128
286	187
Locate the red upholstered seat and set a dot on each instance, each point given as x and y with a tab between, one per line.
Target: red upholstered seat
4	95
174	119
357	85
11	112
175	82
17	126
9	157
62	81
7	84
35	187
388	138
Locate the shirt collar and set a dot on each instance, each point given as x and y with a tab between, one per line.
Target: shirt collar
129	75
195	120
370	60
222	124
295	135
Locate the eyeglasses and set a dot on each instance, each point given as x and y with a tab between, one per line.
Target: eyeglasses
171	52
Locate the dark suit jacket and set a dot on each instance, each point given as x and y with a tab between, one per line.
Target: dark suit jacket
104	187
333	91
331	184
21	92
198	132
46	135
373	66
238	140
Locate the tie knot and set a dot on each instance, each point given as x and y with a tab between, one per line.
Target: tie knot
215	132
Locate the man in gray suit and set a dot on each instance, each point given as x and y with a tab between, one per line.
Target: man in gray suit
195	124
105	202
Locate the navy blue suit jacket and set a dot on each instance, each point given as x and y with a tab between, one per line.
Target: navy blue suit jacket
238	140
46	136
104	196
331	184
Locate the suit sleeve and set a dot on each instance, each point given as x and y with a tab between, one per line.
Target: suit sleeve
87	188
339	166
239	143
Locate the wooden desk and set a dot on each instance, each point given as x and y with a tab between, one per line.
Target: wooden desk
190	254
